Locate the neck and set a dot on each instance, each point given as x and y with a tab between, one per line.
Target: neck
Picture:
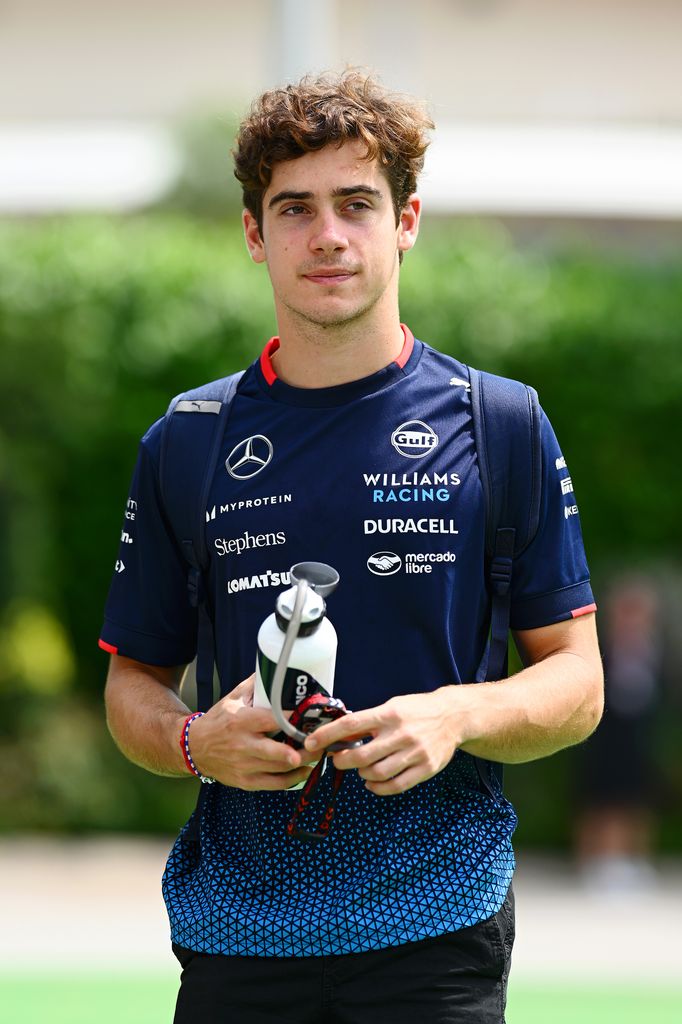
314	356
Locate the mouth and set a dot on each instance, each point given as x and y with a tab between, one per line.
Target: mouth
335	275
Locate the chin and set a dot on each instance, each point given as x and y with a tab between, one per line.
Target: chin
330	317
333	319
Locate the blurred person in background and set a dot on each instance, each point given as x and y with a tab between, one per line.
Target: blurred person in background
405	911
617	775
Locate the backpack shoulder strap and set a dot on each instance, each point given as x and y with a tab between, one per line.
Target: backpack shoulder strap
192	434
506	425
506	420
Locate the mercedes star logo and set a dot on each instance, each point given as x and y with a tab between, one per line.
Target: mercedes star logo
249	457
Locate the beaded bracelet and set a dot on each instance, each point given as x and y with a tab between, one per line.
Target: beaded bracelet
184	747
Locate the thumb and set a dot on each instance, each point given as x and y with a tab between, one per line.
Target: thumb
243	692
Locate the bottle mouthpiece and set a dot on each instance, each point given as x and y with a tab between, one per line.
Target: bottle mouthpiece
319	576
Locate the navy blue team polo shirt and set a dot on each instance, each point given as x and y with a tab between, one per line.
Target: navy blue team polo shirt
379	478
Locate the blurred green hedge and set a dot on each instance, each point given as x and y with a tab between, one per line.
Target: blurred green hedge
103	320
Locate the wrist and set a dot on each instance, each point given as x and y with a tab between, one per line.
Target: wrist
459	713
186	749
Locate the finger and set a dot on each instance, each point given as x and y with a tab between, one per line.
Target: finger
250	763
352	726
244	690
276	751
244	761
376	749
276	780
275	754
400	784
389	767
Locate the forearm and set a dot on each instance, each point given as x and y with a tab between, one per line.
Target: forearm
145	716
546	707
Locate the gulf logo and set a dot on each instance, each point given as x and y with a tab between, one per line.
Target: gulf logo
414	439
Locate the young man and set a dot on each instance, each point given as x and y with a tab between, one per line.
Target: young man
405	911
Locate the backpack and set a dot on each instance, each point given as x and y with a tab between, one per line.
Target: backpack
506	426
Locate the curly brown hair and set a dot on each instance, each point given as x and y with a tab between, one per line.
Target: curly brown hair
286	123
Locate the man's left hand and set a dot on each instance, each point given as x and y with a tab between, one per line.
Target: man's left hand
412	739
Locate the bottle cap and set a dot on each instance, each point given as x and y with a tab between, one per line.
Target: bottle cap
313	611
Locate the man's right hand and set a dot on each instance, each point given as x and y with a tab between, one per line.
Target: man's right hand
230	743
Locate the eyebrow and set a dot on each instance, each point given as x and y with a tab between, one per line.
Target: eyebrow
346	190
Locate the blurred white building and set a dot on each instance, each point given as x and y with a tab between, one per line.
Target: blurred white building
543	108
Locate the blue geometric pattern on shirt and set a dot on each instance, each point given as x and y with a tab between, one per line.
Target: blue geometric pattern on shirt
393	870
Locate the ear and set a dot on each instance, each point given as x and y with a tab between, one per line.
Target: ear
254	242
408	226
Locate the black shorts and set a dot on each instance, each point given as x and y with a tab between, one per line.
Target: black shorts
458	978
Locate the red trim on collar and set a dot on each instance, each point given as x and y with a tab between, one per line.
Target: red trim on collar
266	360
408	345
272	346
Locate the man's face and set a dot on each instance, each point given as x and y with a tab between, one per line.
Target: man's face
329	237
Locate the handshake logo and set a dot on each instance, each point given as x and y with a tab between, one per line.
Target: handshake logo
384	563
415	563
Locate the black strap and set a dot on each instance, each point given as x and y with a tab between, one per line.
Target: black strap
494	664
193	434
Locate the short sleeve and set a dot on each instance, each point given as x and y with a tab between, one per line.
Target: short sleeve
148	616
551	579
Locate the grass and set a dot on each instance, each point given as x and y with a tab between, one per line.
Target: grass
142	999
87	998
593	1004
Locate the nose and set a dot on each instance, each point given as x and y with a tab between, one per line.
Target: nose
328	234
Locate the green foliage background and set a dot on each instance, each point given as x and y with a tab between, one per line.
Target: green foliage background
103	320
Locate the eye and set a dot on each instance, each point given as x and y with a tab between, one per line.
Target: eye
293	210
357	206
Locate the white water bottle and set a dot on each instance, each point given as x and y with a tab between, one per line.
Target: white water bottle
313	655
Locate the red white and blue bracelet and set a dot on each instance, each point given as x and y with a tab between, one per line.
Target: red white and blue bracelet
184	747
